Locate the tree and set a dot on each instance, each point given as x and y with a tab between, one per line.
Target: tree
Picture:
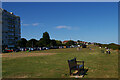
78	42
46	39
69	43
22	42
113	46
32	43
40	43
89	42
53	43
58	43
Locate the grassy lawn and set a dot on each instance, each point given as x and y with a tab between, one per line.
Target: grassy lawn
99	65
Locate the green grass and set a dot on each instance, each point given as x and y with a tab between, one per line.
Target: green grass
55	66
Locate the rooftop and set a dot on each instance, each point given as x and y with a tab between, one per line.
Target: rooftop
8	12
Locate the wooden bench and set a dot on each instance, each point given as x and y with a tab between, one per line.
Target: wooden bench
74	66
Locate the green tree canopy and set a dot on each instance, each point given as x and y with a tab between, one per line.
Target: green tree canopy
22	42
59	43
69	43
53	43
46	39
40	43
32	43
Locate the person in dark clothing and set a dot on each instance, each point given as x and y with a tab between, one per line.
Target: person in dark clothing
108	51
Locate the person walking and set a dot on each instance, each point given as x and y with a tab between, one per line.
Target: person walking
107	51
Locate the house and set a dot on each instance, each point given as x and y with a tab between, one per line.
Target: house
64	42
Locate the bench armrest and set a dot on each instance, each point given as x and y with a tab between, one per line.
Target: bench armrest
80	61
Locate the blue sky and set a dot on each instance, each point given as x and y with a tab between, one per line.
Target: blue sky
59	0
86	21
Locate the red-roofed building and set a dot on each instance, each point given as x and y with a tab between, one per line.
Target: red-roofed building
64	42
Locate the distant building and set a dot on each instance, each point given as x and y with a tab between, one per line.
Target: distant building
64	42
75	42
11	31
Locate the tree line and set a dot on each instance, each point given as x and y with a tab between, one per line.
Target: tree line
45	41
110	46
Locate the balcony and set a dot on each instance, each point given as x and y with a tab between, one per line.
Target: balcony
11	34
11	30
11	38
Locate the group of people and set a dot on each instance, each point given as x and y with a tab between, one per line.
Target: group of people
107	51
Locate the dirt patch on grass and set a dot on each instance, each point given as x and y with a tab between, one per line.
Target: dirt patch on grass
14	55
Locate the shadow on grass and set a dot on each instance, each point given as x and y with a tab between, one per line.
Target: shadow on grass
82	72
85	72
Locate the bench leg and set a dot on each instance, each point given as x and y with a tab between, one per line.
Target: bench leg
78	72
83	68
70	71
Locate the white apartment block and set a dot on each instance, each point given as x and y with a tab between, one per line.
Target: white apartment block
11	31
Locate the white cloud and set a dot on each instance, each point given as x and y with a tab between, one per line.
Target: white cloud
35	24
63	27
26	24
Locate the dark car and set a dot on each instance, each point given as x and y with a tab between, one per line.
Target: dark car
43	48
39	48
16	50
54	47
84	46
4	51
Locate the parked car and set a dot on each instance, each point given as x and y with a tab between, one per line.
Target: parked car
61	47
9	50
38	48
54	47
35	48
32	49
84	46
4	51
67	46
22	49
47	48
43	48
16	50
